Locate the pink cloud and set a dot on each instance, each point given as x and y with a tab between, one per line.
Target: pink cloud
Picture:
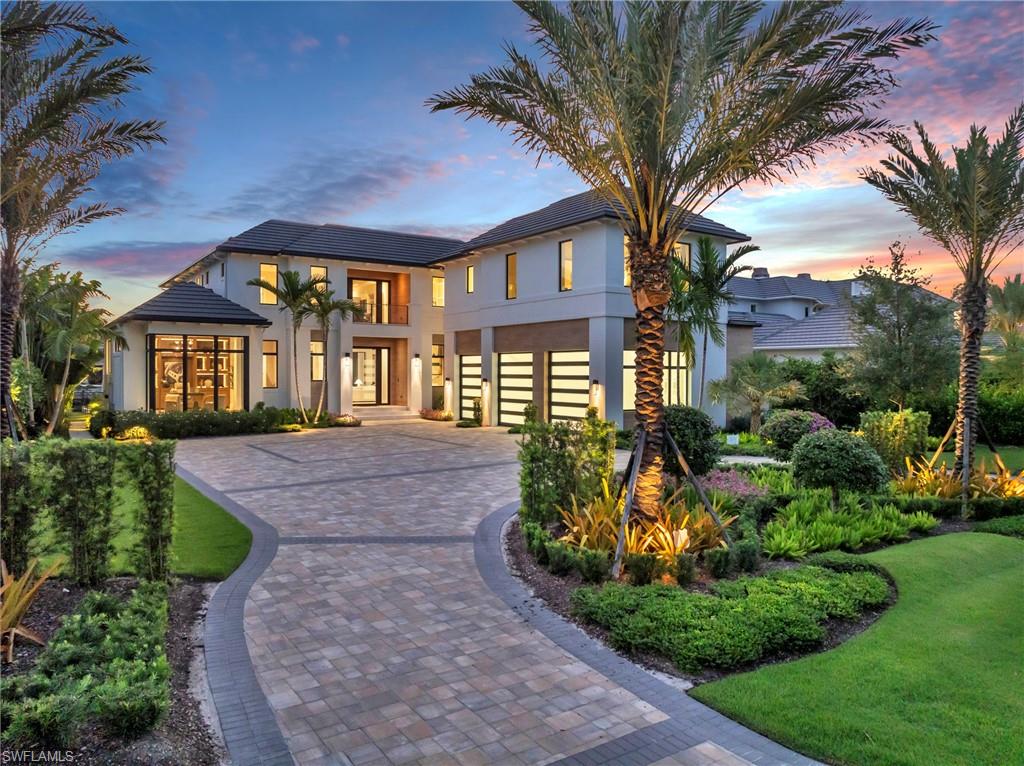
343	40
302	43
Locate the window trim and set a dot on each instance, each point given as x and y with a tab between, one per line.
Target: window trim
323	361
263	291
277	366
433	295
470	278
561	266
152	349
511	286
326	285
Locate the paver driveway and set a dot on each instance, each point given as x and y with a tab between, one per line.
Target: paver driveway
383	628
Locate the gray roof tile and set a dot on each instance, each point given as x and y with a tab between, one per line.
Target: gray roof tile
832	327
189	302
828	292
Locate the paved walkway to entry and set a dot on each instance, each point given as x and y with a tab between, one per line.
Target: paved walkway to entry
374	621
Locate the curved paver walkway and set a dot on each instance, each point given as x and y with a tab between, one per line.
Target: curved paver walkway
374	621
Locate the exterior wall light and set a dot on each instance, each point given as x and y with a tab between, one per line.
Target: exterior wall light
595	393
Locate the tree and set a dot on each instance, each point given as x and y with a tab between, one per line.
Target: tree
756	381
322	306
1006	315
905	333
294	294
974	209
58	93
662	108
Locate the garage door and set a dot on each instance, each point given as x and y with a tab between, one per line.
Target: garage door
515	387
568	384
469	384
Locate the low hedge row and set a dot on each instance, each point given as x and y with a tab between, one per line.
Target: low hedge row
1012	526
981	508
105	664
180	425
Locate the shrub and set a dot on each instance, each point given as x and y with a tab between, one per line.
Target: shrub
594	566
733	483
696	435
561	558
346	420
467	423
745	554
1000	408
784	428
1011	525
181	425
436	414
151	465
840	561
50	720
895	436
478	411
134	698
20	505
536	539
642	567
718	562
838	460
686	569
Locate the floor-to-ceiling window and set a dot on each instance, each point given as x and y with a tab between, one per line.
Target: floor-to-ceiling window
371	373
197	372
674	382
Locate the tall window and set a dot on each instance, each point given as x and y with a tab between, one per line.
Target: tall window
673	383
270	364
680	250
437	294
197	372
470	278
316	360
319	272
268	273
511	283
437	364
565	265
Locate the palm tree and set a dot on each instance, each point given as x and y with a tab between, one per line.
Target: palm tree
294	294
322	306
1007	311
974	209
661	108
756	381
58	87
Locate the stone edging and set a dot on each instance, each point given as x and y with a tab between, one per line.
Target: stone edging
250	730
690	722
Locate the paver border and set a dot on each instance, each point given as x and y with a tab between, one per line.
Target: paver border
250	730
690	722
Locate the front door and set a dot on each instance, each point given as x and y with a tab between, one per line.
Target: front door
370	370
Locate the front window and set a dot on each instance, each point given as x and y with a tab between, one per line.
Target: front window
511	282
316	360
437	296
437	364
197	372
565	265
673	381
268	273
270	364
470	278
319	272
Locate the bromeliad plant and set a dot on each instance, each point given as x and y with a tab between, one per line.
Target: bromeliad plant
16	596
922	478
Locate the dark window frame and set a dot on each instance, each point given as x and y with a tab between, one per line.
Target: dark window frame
470	278
151	349
323	360
511	288
277	363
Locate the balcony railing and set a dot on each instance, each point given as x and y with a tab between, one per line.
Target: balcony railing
383	313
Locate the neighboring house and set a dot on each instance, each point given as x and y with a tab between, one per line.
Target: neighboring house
790	316
538	309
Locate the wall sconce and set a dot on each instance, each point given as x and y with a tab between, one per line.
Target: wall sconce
595	393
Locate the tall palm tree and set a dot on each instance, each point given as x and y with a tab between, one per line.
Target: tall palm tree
322	306
58	90
756	381
294	294
1007	311
974	209
662	108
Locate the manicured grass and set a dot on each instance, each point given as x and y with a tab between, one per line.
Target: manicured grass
936	680
1012	456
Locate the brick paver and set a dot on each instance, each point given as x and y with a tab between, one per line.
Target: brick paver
375	640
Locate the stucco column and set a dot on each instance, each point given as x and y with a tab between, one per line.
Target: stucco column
449	372
717	367
605	341
488	372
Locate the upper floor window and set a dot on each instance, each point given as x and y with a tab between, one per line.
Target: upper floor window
753	308
565	265
268	273
222	270
680	251
319	272
470	278
511	282
316	360
437	294
270	364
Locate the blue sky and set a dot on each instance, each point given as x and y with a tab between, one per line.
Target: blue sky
314	112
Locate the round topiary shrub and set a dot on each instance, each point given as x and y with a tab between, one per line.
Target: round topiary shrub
695	433
785	428
838	460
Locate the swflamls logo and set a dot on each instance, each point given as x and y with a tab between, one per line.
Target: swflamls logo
37	756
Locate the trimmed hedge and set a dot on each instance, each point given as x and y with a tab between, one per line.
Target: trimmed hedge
838	460
181	425
784	428
696	435
1001	408
1012	526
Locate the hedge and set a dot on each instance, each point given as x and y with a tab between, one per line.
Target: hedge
181	425
1001	408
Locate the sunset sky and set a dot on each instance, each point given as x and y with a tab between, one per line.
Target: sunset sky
314	112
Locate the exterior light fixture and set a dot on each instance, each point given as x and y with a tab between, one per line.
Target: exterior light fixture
595	393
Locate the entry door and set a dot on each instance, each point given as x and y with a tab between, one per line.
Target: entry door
371	373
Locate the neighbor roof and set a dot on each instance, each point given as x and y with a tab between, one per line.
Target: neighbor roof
571	211
777	288
829	328
189	302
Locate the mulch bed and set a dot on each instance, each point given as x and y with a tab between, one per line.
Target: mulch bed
184	737
555	592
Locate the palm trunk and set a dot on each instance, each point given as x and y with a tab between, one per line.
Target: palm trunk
30	404
10	299
972	326
703	369
325	330
58	400
295	372
755	417
651	291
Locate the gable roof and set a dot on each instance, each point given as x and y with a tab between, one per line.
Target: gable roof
777	288
572	211
337	242
189	302
829	328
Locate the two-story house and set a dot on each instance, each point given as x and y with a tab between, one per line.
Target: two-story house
538	309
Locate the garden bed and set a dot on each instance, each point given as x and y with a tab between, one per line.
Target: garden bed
556	591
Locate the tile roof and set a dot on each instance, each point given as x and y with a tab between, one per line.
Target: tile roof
832	327
828	292
337	242
580	208
189	302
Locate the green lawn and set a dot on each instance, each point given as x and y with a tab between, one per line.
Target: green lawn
937	680
208	541
1012	456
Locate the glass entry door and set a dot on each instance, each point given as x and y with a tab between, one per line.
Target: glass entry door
370	371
